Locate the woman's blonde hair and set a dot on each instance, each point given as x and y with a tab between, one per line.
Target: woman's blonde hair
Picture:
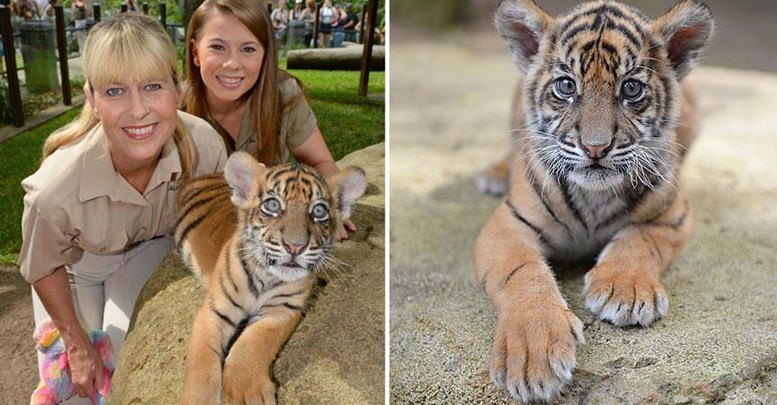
266	105
128	46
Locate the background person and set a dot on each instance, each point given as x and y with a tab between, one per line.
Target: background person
348	22
327	17
29	10
296	12
309	16
48	11
280	20
79	13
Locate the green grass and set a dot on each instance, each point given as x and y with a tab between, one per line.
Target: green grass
19	158
348	122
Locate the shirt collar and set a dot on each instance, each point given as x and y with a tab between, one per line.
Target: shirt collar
98	176
244	136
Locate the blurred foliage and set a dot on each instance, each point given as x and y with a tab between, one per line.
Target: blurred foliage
5	103
187	8
34	103
431	14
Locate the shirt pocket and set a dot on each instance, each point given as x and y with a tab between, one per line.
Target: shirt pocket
113	243
169	212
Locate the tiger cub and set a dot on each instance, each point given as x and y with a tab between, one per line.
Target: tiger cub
255	236
603	122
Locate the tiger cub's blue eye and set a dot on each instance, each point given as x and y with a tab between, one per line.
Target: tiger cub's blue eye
271	206
631	89
320	212
565	87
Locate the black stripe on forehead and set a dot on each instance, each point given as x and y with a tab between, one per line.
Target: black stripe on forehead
596	10
281	171
604	54
295	178
626	21
633	37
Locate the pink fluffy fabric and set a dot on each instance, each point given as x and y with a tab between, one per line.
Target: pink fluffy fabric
55	385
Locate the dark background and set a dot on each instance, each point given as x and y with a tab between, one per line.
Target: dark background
745	37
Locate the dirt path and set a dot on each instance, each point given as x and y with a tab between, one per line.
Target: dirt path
18	373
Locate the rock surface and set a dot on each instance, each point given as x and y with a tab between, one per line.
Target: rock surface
336	355
449	120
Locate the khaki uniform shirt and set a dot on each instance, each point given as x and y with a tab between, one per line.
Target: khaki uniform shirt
297	123
77	202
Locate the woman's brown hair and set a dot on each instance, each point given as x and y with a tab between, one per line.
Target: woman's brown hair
266	106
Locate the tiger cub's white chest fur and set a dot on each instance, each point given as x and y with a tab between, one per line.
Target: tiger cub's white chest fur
595	217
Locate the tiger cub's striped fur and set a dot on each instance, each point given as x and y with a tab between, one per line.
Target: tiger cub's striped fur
255	236
602	123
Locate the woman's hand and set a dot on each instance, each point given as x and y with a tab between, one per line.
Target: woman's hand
343	231
85	366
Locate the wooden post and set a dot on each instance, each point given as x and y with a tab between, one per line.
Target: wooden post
367	54
363	24
64	71
145	8
17	114
96	9
124	7
315	28
163	14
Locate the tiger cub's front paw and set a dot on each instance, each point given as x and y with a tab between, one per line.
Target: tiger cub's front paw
624	297
242	387
535	350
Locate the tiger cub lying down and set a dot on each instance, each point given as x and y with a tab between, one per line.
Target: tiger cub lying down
602	122
255	236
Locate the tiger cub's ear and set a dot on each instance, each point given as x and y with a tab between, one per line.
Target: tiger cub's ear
243	174
349	186
522	23
686	28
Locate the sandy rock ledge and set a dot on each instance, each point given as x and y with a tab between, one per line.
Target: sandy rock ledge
717	344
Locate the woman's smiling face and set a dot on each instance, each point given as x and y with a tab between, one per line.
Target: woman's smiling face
229	57
138	117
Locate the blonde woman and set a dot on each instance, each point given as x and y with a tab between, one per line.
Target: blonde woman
328	16
233	81
99	211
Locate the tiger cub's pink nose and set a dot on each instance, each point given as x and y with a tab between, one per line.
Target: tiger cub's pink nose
596	151
294	248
